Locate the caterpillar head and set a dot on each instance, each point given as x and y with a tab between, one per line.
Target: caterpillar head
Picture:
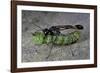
80	27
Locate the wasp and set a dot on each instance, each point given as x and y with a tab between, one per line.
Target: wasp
53	35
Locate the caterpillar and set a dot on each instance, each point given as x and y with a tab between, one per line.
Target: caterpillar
67	39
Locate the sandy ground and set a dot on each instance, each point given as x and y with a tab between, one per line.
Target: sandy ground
32	20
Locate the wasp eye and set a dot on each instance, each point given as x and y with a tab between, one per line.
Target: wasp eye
80	27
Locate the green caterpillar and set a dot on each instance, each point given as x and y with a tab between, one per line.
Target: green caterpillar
40	38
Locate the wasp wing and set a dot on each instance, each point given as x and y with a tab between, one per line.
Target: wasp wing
63	27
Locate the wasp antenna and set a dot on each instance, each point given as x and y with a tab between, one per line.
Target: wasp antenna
80	27
38	26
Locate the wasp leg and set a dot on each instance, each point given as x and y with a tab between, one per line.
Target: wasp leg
72	52
50	51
